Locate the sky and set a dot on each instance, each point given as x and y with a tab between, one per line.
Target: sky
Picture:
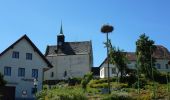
82	21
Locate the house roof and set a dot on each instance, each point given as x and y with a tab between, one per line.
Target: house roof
161	52
32	44
70	48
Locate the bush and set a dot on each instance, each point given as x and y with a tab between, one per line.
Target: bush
119	86
74	81
102	85
160	78
2	81
131	79
142	83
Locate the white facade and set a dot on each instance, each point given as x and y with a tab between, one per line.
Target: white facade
22	82
68	66
161	65
113	70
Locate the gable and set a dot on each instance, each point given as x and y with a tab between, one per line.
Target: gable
25	45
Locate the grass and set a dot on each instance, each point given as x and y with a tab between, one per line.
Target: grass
120	91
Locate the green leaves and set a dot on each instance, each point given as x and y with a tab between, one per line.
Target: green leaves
144	50
2	81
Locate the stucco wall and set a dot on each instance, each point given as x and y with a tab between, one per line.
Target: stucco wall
131	65
74	65
22	83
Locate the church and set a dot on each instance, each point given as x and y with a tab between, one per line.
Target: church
69	59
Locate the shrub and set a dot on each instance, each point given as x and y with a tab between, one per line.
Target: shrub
131	79
119	86
2	81
102	85
74	81
86	79
161	78
142	83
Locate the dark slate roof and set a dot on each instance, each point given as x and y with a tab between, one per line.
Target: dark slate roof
96	71
32	44
70	48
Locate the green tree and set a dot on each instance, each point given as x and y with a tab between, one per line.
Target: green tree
2	81
118	58
86	79
144	50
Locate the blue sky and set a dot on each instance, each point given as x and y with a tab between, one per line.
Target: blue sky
82	20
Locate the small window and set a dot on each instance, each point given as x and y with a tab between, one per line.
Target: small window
52	74
166	65
34	90
113	70
15	54
159	66
7	71
21	72
35	73
28	56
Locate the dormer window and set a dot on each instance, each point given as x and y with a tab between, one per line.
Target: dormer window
15	54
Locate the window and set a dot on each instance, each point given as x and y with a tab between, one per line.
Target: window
21	72
35	73
15	54
34	90
52	74
166	65
28	56
158	66
7	71
113	70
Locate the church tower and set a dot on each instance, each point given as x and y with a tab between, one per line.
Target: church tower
60	37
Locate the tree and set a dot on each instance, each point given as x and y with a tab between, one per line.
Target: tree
118	58
144	50
2	81
86	79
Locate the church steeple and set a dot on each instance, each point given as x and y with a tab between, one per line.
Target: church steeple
61	29
60	37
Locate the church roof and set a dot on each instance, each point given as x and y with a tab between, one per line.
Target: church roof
70	48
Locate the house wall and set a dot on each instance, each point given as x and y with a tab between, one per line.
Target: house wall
73	65
131	65
162	63
22	83
104	70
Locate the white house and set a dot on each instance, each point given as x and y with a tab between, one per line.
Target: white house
21	64
70	59
161	54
